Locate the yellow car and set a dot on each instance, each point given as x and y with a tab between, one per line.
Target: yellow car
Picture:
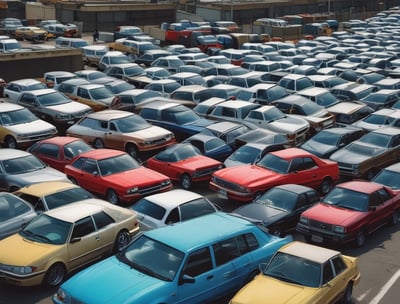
49	195
31	33
302	273
63	239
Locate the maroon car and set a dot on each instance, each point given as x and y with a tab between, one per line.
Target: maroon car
349	212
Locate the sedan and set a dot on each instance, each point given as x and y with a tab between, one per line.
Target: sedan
64	239
349	213
389	176
121	130
280	207
14	88
115	175
59	150
292	165
49	195
364	157
308	273
20	128
185	164
15	213
20	168
168	208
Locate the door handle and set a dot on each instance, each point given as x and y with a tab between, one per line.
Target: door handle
97	238
228	274
210	277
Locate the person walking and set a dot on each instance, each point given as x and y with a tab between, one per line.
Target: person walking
95	36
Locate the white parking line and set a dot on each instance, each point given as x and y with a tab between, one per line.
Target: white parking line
385	288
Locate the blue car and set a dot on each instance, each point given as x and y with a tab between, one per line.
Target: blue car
196	261
177	118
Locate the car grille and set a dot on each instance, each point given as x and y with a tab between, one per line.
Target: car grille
38	136
321	225
158	141
225	184
82	114
150	189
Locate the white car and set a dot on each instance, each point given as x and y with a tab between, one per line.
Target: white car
166	208
14	88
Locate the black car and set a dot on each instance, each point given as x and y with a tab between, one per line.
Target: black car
279	208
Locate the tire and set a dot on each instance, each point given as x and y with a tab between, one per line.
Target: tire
131	149
326	185
121	241
347	294
10	142
360	238
112	197
54	275
394	219
98	143
186	182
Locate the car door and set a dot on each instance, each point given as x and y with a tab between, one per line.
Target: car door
89	178
380	209
334	280
304	171
106	234
112	137
83	243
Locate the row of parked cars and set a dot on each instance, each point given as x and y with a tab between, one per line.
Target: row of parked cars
292	160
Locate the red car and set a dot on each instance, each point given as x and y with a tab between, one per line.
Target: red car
115	175
349	212
185	164
59	151
288	166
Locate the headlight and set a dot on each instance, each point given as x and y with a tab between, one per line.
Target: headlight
132	190
304	220
22	136
166	182
339	229
20	270
64	116
243	189
196	173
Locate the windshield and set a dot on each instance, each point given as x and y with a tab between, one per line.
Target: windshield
100	93
274	163
388	178
346	198
294	269
185	117
23	164
52	99
327	138
327	99
273	114
17	117
381	140
117	164
245	154
152	258
131	123
76	147
46	229
278	199
68	196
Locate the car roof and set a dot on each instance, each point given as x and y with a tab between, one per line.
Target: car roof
109	114
101	153
42	92
45	188
224	126
8	153
309	252
192	234
173	198
60	140
25	81
361	186
8	107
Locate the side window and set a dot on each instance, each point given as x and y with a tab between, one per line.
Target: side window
313	196
104	125
296	165
308	163
90	166
78	163
39	206
327	273
384	195
375	199
225	251
198	262
302	201
27	99
173	217
49	150
228	112
83	227
102	220
339	265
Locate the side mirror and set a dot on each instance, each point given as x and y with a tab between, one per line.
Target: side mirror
186	279
75	240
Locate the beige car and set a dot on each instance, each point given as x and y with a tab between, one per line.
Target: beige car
121	130
31	33
20	128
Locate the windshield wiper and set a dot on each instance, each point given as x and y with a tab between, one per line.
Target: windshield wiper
147	270
34	235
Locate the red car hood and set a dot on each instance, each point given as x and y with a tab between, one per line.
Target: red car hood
333	215
135	177
248	175
198	162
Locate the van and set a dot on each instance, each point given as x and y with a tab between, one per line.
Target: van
66	42
91	54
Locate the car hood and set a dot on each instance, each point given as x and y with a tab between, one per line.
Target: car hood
197	162
69	108
291	124
331	214
150	133
96	284
203	122
37	125
43	175
319	149
16	250
253	174
350	157
261	212
135	177
265	289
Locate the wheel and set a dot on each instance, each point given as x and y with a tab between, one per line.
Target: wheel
121	241
132	151
394	219
54	275
347	294
186	182
326	185
10	142
98	143
112	197
360	239
73	180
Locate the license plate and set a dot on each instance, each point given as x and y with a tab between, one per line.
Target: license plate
222	194
316	238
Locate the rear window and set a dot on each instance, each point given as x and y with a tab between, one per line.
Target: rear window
144	206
